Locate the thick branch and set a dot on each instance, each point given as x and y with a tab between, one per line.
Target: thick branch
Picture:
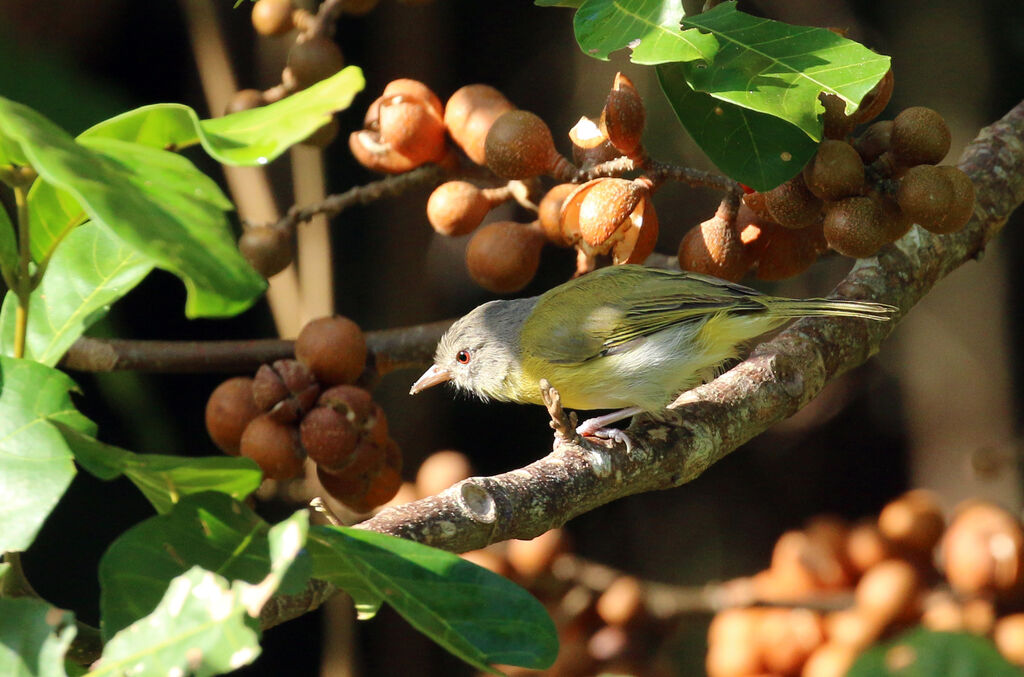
780	377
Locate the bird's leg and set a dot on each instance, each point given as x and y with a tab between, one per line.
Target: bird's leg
597	426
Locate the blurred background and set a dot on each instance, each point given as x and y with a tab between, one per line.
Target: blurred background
938	408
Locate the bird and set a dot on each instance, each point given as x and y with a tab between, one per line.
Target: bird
624	337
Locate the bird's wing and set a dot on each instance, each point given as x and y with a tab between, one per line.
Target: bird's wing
648	302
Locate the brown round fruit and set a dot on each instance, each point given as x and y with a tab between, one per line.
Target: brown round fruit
267	249
333	348
272	17
919	137
519	146
228	411
469	114
913	522
875	101
714	248
622	119
531	558
854	227
412	128
457	208
503	257
621	602
1009	638
866	547
782	252
274	446
286	390
835	172
549	213
962	209
926	196
888	591
983	551
313	60
328	437
792	205
441	470
875	140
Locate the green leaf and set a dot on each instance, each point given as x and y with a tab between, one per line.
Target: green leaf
35	462
51	214
252	137
756	149
34	636
924	653
651	28
208	529
575	4
92	270
163	479
778	69
199	627
475	614
122	187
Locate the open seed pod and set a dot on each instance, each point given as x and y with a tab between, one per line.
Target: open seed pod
612	216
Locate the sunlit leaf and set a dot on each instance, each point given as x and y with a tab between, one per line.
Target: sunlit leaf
35	462
924	653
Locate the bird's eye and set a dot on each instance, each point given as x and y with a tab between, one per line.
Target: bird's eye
462	357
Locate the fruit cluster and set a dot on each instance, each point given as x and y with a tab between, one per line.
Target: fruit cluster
854	196
308	406
407	127
890	567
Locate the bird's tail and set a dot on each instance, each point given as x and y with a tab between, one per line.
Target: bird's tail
868	310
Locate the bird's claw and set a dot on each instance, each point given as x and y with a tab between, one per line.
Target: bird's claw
614	434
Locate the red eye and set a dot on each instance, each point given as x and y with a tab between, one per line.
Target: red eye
462	357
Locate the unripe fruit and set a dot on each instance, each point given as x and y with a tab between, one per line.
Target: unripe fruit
983	551
919	137
274	446
714	248
875	140
267	249
503	256
622	119
313	60
962	209
926	196
333	348
272	17
469	114
888	591
549	213
792	205
835	172
441	470
913	522
854	227
285	390
519	146
457	208
228	411
245	99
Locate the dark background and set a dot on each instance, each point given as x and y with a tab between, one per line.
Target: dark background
850	452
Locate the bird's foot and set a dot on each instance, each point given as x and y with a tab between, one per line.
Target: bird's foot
594	427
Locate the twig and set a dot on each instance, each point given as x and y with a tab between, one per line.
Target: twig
389	350
781	376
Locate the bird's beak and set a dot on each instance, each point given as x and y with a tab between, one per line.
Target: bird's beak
431	377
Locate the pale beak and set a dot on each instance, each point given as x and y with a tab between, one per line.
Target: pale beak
431	377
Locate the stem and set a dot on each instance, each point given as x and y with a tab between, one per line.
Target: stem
37	276
23	283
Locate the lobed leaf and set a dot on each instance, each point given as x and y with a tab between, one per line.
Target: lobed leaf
34	636
35	463
774	68
479	616
163	479
756	149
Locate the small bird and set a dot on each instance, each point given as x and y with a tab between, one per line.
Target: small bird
623	337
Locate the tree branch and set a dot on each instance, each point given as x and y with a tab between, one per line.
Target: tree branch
780	377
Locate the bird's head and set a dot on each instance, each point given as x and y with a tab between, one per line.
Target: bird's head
480	351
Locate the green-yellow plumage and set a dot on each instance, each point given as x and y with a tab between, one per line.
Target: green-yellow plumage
622	336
